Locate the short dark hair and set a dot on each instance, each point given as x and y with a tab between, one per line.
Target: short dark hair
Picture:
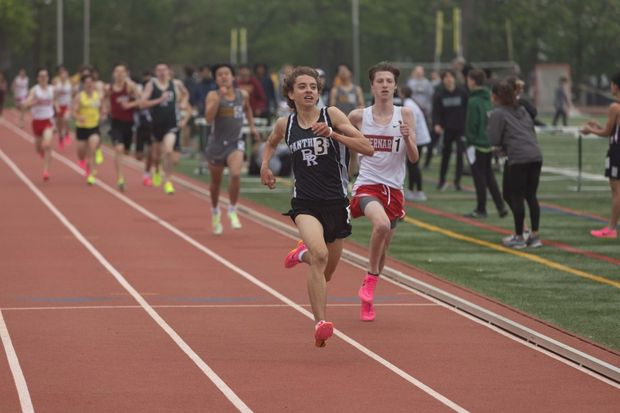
478	76
444	73
117	64
218	66
84	78
345	65
616	79
289	82
383	67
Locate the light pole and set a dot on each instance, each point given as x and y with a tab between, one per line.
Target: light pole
59	33
86	32
355	17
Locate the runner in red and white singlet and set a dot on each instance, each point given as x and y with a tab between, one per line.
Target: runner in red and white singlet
64	97
378	190
40	100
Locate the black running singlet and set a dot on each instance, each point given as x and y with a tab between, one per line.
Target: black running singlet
320	165
164	113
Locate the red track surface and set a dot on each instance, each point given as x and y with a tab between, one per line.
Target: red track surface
85	345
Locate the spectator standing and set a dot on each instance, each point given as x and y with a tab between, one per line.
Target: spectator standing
449	107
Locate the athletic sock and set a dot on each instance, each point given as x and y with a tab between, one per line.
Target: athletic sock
232	208
373	274
301	255
215	211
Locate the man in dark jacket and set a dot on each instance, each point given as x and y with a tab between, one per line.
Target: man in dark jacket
478	146
449	106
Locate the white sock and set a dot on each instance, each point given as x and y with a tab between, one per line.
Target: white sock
301	255
232	208
215	211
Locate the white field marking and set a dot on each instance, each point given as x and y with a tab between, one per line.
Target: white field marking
233	306
403	374
16	370
573	173
268	222
223	387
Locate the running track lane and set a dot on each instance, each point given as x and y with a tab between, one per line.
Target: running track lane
230	337
83	360
420	336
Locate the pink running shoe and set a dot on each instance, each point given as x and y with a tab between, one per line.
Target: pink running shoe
366	292
147	181
67	139
605	232
367	312
82	164
322	331
292	258
46	176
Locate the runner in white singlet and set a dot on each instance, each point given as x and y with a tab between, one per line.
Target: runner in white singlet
40	100
378	190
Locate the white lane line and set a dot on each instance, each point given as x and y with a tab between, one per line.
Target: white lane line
223	387
16	370
234	306
403	374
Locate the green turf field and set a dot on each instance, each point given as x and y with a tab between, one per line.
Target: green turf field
587	307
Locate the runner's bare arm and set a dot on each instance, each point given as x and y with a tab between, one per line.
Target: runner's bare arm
132	90
347	134
247	109
612	119
355	117
30	99
407	130
212	103
146	101
266	176
182	93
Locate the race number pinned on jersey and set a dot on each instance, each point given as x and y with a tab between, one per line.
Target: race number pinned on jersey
321	145
381	143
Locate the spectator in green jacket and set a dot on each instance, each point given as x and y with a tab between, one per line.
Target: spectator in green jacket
478	146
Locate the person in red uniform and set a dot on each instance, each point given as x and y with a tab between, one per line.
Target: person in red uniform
123	98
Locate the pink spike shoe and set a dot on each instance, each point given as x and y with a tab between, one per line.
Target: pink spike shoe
322	331
293	257
146	181
366	292
82	164
367	312
46	176
605	232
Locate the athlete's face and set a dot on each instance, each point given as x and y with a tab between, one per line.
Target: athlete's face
161	71
245	74
615	89
383	85
344	73
305	92
119	74
448	81
42	77
89	84
224	77
63	73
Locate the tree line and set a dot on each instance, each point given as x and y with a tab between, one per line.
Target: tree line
582	33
